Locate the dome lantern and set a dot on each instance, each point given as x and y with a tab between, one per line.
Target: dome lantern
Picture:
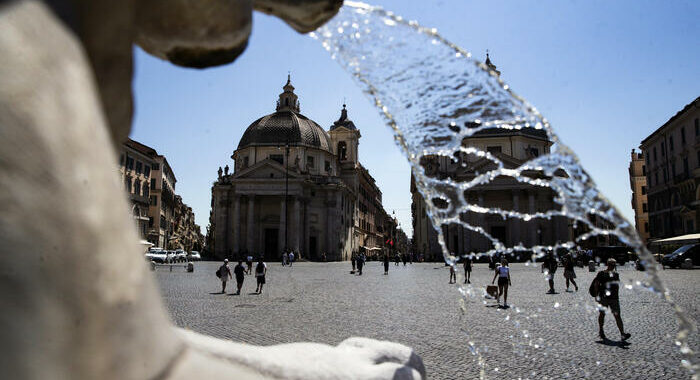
288	100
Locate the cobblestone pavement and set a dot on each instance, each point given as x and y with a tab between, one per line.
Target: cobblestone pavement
540	337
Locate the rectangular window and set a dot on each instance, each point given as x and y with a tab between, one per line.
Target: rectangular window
670	142
327	166
155	166
656	178
644	170
153	183
644	207
665	175
644	190
493	149
146	170
129	163
245	162
655	157
310	161
685	166
646	226
673	170
683	135
154	200
277	157
647	158
138	167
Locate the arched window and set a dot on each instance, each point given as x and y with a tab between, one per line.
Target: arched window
342	151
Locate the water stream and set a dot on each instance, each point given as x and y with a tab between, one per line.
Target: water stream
433	94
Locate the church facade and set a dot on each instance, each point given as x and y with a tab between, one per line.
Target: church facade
295	186
513	148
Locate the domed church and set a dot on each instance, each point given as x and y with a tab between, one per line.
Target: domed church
295	186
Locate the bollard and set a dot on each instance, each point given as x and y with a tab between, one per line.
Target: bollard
591	266
190	267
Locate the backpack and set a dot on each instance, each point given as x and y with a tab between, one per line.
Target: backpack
218	273
592	288
260	268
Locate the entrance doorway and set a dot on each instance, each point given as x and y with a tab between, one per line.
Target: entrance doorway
499	232
271	236
312	248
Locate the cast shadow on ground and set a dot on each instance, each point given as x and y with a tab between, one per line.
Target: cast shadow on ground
612	343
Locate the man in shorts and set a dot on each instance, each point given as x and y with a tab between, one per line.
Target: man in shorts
249	263
606	286
260	271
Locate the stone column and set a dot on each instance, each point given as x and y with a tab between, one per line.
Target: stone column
484	243
296	229
236	224
532	224
282	233
515	222
307	229
250	232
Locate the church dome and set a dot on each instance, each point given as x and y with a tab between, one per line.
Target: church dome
286	125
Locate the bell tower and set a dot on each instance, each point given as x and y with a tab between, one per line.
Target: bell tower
345	138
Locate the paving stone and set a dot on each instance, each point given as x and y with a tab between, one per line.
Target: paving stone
540	336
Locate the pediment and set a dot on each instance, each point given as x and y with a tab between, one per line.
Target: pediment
266	169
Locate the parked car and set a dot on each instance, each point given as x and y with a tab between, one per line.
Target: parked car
194	256
621	254
157	255
677	257
180	256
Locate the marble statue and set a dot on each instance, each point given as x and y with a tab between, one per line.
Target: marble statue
77	299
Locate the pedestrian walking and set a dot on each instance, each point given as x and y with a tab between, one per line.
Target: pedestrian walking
605	287
224	274
550	266
353	259
396	259
291	258
569	273
260	272
285	258
249	263
404	259
453	275
239	272
386	263
503	274
467	269
360	263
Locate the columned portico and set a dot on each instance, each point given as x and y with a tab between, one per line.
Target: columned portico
250	230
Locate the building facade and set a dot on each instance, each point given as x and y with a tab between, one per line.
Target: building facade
638	184
161	216
295	186
135	162
512	148
672	160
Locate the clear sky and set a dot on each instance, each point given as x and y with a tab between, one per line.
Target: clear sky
605	74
